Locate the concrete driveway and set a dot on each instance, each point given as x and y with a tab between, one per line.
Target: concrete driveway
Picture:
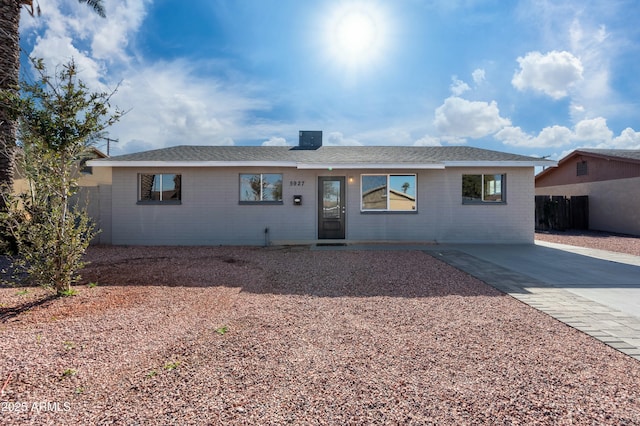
595	291
612	279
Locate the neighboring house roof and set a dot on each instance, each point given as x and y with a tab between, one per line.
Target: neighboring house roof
393	191
619	154
436	157
629	157
97	153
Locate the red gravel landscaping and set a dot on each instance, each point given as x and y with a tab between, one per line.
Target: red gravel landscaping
177	335
621	243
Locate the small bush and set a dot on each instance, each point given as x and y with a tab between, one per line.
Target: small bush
171	365
69	372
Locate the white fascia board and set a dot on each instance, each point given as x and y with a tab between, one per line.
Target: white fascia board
322	166
95	163
302	166
533	163
340	166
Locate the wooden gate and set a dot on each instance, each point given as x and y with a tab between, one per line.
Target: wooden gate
557	212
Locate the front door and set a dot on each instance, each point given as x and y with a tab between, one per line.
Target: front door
331	207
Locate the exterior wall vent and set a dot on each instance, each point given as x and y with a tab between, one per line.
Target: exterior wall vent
581	168
310	139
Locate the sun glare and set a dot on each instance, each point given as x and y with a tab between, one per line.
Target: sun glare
355	35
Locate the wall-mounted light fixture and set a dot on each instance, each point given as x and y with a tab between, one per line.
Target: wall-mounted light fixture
297	200
350	179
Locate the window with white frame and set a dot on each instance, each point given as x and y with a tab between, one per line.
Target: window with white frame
159	188
489	188
261	188
388	192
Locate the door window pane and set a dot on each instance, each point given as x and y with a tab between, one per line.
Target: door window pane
331	200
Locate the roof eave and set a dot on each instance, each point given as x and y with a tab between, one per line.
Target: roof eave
125	163
338	166
318	166
292	164
588	153
532	163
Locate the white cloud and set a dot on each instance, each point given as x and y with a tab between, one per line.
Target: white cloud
576	109
55	50
453	140
553	73
338	139
384	136
600	34
428	141
553	136
596	48
275	141
591	133
628	139
111	36
458	87
90	40
581	40
478	76
513	136
133	145
461	118
170	105
593	130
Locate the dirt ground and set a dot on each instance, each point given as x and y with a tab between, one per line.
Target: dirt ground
236	335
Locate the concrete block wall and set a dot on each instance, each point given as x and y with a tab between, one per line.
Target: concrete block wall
511	222
210	212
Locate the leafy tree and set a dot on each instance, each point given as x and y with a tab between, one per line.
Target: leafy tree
58	119
276	192
472	187
255	183
9	72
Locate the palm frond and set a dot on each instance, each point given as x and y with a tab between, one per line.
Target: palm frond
97	6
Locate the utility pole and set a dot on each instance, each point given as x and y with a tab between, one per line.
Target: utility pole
109	140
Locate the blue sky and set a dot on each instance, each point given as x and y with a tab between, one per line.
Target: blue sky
533	77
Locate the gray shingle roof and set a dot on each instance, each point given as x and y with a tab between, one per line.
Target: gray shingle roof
325	154
628	154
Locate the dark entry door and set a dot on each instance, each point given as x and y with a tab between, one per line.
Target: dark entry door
331	207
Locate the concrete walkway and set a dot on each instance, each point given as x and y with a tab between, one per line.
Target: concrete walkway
594	291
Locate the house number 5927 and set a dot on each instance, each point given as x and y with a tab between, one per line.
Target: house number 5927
296	183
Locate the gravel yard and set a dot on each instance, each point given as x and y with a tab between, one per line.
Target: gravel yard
593	239
232	335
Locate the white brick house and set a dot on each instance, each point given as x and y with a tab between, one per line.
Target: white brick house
256	195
